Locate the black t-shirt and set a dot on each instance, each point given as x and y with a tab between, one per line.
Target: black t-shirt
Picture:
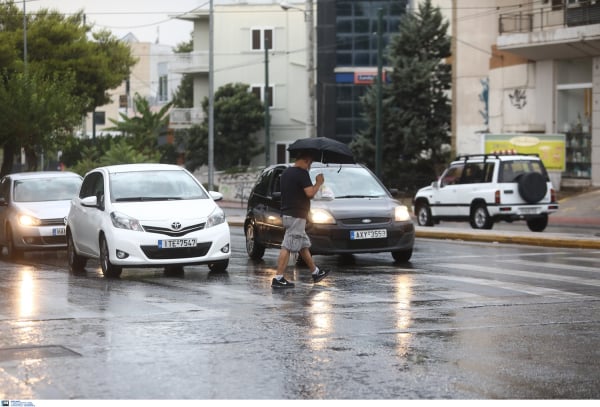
294	201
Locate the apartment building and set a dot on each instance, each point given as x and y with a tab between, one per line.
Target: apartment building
151	77
530	69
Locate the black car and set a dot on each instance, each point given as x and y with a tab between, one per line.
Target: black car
352	213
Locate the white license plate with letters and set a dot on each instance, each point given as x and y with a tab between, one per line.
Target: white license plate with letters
59	231
368	234
530	211
176	243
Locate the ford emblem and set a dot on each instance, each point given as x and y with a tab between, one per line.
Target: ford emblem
366	221
176	225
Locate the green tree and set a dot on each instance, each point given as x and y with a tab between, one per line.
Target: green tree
37	111
58	50
143	128
416	108
184	95
238	114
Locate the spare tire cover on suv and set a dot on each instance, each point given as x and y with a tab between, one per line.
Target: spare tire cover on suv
532	187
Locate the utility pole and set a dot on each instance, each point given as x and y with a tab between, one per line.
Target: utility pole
266	102
310	69
378	111
24	36
211	99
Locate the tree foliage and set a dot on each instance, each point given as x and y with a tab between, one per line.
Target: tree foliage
238	114
61	59
416	110
184	95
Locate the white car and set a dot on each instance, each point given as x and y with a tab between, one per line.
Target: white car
146	215
488	188
33	208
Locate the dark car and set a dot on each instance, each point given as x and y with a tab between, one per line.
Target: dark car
352	213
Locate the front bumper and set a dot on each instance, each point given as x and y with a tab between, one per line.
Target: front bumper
39	237
141	249
335	239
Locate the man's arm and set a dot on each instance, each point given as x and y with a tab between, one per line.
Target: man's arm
312	190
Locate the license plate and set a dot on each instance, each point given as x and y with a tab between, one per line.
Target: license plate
368	234
176	243
58	231
530	211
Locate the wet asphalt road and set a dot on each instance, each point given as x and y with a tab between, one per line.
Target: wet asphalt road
460	321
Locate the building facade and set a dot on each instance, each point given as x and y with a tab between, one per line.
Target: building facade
531	69
151	77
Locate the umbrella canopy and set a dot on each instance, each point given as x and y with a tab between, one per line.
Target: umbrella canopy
323	149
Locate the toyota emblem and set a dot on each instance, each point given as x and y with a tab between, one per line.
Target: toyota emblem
176	225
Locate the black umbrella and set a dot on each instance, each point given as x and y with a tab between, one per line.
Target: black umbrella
323	149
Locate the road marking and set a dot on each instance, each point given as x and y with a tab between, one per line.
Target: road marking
522	273
569	267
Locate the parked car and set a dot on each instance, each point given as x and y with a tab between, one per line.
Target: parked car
146	215
33	208
352	213
488	188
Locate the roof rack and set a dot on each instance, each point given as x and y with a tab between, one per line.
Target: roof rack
465	157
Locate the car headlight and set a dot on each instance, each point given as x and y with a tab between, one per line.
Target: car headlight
321	216
216	218
28	220
122	221
401	214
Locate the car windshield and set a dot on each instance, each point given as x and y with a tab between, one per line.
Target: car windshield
46	189
347	182
154	186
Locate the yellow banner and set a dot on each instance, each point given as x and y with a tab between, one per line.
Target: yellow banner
550	147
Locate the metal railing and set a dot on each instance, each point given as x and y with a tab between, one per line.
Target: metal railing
552	16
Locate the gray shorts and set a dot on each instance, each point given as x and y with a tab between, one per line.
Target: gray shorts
295	237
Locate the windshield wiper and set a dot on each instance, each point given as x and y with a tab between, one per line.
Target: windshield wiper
358	196
148	198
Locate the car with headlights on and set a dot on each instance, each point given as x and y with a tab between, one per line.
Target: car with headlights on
146	215
352	213
33	208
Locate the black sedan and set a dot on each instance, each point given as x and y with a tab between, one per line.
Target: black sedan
352	213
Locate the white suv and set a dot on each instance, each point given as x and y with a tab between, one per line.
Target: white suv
487	188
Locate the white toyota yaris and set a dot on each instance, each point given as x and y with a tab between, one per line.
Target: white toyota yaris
146	215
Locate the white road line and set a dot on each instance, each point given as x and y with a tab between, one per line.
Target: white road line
554	265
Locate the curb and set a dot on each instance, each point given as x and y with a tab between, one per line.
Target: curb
532	239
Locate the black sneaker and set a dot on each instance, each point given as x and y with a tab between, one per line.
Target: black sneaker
283	283
320	275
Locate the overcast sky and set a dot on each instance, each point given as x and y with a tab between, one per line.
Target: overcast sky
146	19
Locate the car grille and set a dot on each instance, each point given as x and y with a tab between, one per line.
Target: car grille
153	252
359	221
53	222
174	233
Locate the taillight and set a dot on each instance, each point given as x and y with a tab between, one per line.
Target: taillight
497	197
552	195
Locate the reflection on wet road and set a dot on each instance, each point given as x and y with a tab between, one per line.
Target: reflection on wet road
459	321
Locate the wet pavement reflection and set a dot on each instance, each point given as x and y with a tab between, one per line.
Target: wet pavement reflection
460	321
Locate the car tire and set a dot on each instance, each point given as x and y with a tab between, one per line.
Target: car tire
480	217
13	252
402	256
423	213
254	249
218	266
532	187
538	224
108	269
76	262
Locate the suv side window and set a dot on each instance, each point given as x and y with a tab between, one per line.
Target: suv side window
276	183
473	173
452	175
263	183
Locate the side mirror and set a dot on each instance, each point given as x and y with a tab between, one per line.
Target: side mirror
216	196
434	185
90	201
394	192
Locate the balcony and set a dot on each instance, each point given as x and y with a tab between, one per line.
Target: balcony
552	31
185	118
190	63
